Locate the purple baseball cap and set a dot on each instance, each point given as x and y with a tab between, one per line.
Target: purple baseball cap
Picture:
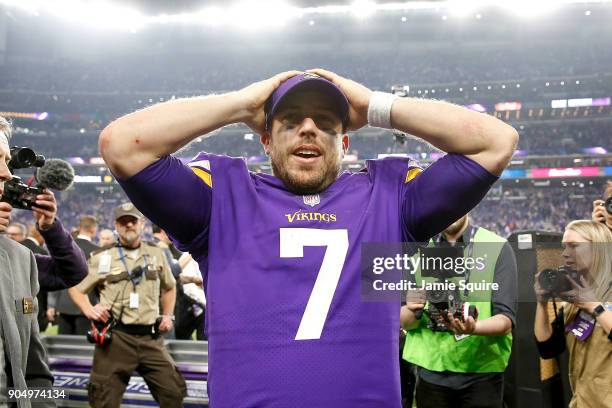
311	82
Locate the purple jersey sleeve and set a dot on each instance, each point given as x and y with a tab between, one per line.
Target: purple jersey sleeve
443	193
174	196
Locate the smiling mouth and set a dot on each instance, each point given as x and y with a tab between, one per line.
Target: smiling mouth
307	154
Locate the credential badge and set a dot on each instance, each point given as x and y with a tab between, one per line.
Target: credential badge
312	200
28	305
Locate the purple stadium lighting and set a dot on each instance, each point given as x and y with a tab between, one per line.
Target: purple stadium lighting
601	102
595	150
476	107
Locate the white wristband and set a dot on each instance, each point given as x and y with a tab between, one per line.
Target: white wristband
379	109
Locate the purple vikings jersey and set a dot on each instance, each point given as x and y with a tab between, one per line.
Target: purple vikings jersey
285	321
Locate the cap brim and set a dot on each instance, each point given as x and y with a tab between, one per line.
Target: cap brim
317	84
128	215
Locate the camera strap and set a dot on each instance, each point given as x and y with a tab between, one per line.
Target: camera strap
470	255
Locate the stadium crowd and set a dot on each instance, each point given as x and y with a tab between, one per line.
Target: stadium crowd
504	210
558	137
226	71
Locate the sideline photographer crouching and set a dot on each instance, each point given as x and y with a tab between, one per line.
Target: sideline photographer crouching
460	340
131	277
583	321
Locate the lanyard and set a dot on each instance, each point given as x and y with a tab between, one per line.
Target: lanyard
470	254
122	258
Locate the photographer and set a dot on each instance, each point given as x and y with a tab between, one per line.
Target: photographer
583	322
460	360
602	209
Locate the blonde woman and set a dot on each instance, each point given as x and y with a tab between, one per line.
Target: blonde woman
584	320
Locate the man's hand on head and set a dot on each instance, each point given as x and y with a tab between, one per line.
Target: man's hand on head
45	210
254	98
5	216
357	95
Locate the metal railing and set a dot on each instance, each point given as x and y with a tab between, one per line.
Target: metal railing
71	357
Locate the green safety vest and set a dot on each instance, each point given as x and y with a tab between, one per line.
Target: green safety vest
440	351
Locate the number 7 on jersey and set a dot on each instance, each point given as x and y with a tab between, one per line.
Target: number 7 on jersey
292	243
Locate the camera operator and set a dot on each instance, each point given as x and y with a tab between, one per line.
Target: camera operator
583	321
463	365
602	209
131	277
65	266
23	362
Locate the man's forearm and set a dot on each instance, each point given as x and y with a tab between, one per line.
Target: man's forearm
497	325
455	129
168	299
66	266
80	299
132	142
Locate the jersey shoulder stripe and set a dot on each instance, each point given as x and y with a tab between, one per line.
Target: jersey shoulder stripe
206	177
201	168
412	173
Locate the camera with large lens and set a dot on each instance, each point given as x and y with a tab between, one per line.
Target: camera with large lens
54	174
441	303
441	298
555	281
17	193
608	205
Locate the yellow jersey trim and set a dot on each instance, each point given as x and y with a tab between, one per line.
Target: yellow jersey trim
206	177
412	173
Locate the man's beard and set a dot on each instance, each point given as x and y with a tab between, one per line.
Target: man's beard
314	182
130	239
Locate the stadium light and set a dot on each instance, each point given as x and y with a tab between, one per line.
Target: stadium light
254	14
363	8
251	14
98	14
461	8
530	8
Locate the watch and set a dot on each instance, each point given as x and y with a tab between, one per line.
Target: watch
598	310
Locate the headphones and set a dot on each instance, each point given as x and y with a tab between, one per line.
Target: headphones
101	336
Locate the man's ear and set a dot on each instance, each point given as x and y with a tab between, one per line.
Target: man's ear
264	138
